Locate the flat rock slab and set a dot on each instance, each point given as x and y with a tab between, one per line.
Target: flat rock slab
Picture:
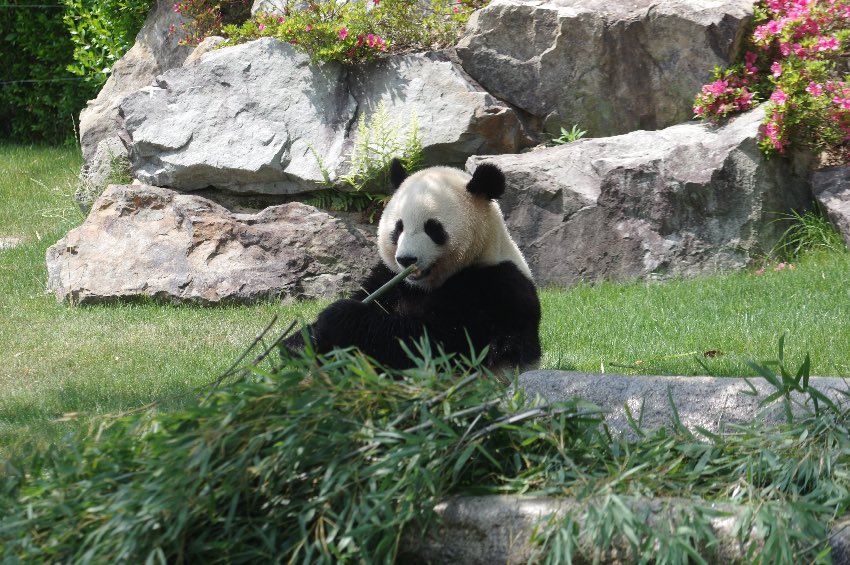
149	242
486	530
701	402
610	67
687	200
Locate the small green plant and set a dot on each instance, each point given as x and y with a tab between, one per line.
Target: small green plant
809	231
92	183
377	141
781	378
568	136
351	30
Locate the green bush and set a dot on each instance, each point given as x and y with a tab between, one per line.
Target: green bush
102	31
39	99
52	60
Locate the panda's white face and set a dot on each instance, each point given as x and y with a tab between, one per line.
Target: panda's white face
433	221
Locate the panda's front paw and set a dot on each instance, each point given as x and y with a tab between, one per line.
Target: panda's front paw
336	324
295	341
341	310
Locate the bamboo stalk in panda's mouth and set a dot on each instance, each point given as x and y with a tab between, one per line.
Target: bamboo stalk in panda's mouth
389	284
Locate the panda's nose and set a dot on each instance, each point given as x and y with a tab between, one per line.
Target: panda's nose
406	260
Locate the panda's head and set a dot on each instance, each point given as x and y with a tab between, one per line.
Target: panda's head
444	220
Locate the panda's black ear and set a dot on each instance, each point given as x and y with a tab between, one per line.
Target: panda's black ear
397	173
487	181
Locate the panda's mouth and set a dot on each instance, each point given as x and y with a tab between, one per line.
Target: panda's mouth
419	274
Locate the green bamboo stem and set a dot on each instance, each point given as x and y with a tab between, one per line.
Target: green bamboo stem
389	284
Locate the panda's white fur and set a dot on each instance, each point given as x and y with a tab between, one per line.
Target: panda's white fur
477	235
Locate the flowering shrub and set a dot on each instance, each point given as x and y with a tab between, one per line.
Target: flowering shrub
340	30
794	63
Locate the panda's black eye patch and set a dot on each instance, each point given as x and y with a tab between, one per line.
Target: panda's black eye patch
399	227
436	231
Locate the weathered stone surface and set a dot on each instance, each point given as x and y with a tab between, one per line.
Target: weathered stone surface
682	201
832	189
108	162
455	118
259	117
611	67
246	118
144	241
483	530
701	402
155	51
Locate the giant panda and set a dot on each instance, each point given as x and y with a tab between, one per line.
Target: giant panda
472	285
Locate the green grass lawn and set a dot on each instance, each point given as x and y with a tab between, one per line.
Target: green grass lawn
713	325
91	361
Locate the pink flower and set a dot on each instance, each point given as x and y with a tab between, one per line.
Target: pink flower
308	28
717	87
261	27
778	96
776	69
828	44
814	89
343	33
750	58
843	103
745	100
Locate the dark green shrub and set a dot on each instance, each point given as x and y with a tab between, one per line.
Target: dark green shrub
54	58
39	99
102	31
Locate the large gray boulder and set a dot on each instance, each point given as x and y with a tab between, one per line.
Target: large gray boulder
610	67
687	200
144	241
156	50
456	119
831	187
248	119
259	117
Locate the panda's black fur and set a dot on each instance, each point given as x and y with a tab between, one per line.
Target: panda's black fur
479	305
